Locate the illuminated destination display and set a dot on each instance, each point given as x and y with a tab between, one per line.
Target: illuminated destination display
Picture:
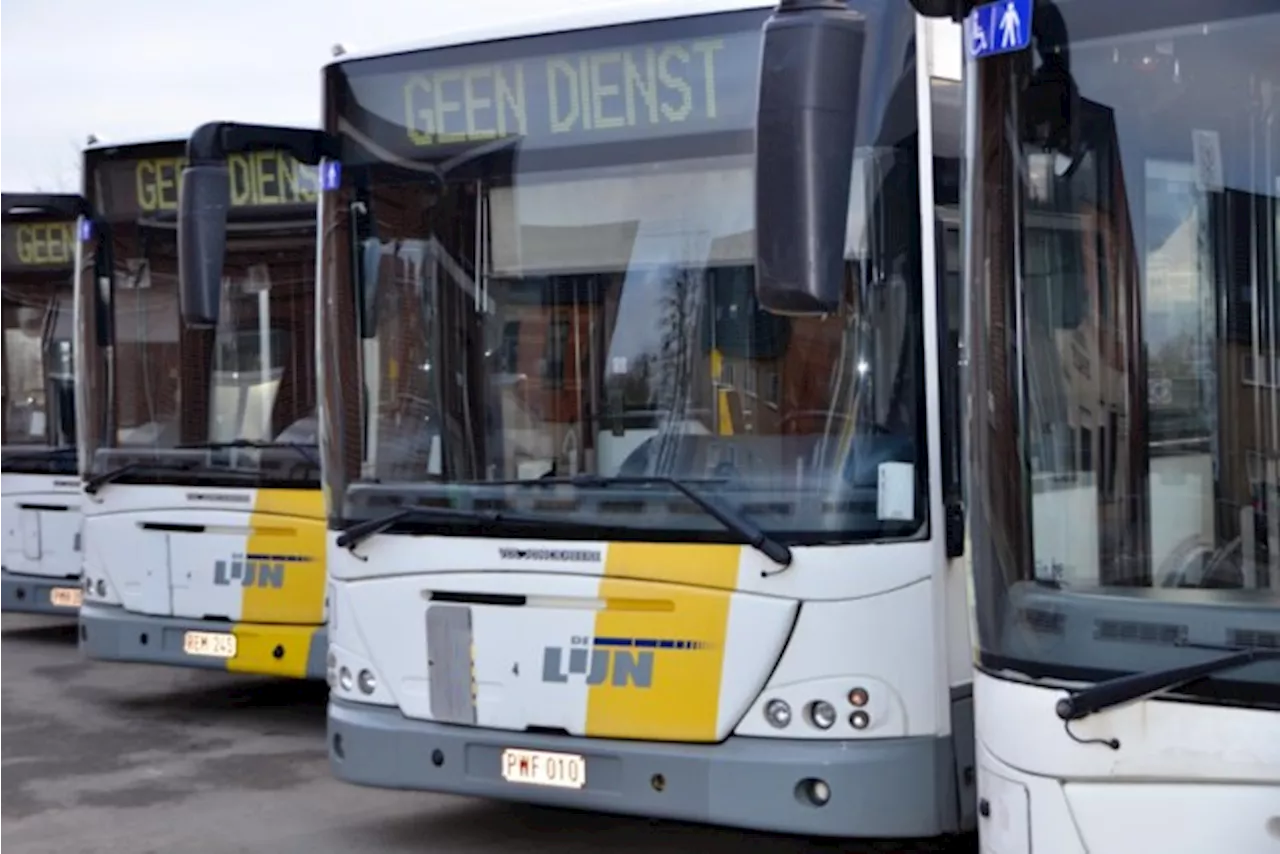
39	245
260	179
628	93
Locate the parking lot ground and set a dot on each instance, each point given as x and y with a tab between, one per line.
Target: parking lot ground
102	758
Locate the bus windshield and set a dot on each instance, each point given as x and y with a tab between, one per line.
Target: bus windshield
549	240
39	387
1128	233
226	401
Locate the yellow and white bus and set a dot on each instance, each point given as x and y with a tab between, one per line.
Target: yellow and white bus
204	539
606	532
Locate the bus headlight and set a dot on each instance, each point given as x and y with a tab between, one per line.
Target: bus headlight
367	681
822	714
777	713
344	679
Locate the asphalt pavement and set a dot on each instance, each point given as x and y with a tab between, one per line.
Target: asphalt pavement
103	758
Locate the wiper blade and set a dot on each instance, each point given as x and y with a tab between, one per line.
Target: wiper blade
300	447
358	532
1122	689
733	520
95	483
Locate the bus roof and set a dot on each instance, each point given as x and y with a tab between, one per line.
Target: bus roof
572	16
157	139
138	142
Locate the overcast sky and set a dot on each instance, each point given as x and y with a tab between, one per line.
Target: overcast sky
129	69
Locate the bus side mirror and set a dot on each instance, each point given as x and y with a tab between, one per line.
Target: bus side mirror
806	125
204	199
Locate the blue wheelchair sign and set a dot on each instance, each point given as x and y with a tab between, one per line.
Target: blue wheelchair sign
1000	27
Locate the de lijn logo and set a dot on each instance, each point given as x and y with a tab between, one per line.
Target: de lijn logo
250	571
619	662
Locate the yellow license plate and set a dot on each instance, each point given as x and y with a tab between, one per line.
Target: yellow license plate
209	644
66	597
539	768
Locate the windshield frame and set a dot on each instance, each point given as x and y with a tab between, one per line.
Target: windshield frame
134	193
1036	624
39	274
353	498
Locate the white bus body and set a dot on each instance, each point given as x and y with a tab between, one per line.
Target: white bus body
39	488
1123	277
627	654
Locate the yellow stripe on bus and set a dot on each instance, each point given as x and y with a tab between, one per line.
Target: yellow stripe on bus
278	623
272	650
680	645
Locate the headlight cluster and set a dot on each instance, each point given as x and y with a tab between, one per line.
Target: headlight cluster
339	676
820	714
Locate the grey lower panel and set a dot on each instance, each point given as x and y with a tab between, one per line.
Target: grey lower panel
30	594
110	633
318	654
889	788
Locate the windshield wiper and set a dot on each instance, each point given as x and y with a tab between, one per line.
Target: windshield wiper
357	532
733	520
1122	689
93	484
300	447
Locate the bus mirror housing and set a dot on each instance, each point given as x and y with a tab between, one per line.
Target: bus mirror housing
204	200
806	128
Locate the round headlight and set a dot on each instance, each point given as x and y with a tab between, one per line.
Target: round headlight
822	714
859	719
102	589
344	679
367	681
777	713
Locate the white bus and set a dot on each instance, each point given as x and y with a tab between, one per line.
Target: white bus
204	532
607	533
1123	276
40	490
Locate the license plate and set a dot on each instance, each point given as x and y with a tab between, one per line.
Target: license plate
538	768
66	597
211	644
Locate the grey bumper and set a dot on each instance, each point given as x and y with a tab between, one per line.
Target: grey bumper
110	633
890	788
32	594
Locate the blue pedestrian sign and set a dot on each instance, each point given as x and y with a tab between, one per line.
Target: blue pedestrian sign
1000	27
331	178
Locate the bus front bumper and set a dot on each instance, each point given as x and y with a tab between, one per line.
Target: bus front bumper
887	788
37	594
110	633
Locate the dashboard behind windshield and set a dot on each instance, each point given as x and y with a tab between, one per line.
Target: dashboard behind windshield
1128	358
548	243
